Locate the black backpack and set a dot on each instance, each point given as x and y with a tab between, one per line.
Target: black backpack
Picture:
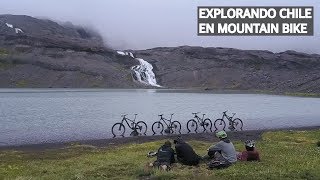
165	154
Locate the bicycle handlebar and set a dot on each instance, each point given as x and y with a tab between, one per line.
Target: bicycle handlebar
124	116
226	114
135	117
163	114
171	116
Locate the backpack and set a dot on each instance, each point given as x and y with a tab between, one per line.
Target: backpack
165	154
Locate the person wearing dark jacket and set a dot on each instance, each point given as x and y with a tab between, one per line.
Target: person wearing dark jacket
185	153
166	153
165	157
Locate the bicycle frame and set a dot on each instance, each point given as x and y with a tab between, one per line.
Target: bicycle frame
198	118
228	117
164	120
125	119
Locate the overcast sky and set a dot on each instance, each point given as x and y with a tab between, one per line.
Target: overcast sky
141	24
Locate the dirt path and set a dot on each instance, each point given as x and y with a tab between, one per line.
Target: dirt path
210	137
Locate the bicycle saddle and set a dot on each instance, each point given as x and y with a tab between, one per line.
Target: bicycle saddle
196	113
124	115
160	115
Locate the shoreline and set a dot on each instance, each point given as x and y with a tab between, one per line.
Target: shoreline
103	143
160	90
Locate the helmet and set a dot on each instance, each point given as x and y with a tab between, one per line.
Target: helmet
221	134
250	143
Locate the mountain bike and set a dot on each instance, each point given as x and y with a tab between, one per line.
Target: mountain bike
171	126
192	124
138	128
234	124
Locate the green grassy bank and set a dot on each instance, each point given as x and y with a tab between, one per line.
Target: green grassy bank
285	155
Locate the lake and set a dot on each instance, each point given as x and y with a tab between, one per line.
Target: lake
30	116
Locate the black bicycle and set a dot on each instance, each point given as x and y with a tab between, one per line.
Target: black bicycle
173	127
192	124
118	129
234	124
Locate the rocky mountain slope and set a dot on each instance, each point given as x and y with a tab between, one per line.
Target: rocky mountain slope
42	53
46	54
225	68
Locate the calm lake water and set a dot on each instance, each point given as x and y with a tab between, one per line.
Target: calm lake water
54	115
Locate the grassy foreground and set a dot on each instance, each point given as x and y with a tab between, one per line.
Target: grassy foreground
285	155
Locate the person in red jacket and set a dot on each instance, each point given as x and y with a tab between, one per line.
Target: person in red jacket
250	154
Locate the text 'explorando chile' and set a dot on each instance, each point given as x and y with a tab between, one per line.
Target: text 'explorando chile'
215	21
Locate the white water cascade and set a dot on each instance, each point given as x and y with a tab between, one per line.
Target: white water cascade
142	73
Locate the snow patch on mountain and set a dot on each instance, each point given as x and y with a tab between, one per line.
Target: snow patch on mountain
9	25
126	53
17	30
121	53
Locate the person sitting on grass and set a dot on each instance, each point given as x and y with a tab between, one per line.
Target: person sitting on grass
223	154
185	153
165	157
250	154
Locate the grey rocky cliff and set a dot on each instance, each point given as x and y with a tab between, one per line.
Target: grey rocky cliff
48	54
226	68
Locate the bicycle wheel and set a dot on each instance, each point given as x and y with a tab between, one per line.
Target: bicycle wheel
219	124
157	128
237	124
175	127
141	127
192	126
207	125
118	129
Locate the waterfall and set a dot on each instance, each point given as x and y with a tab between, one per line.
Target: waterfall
142	73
